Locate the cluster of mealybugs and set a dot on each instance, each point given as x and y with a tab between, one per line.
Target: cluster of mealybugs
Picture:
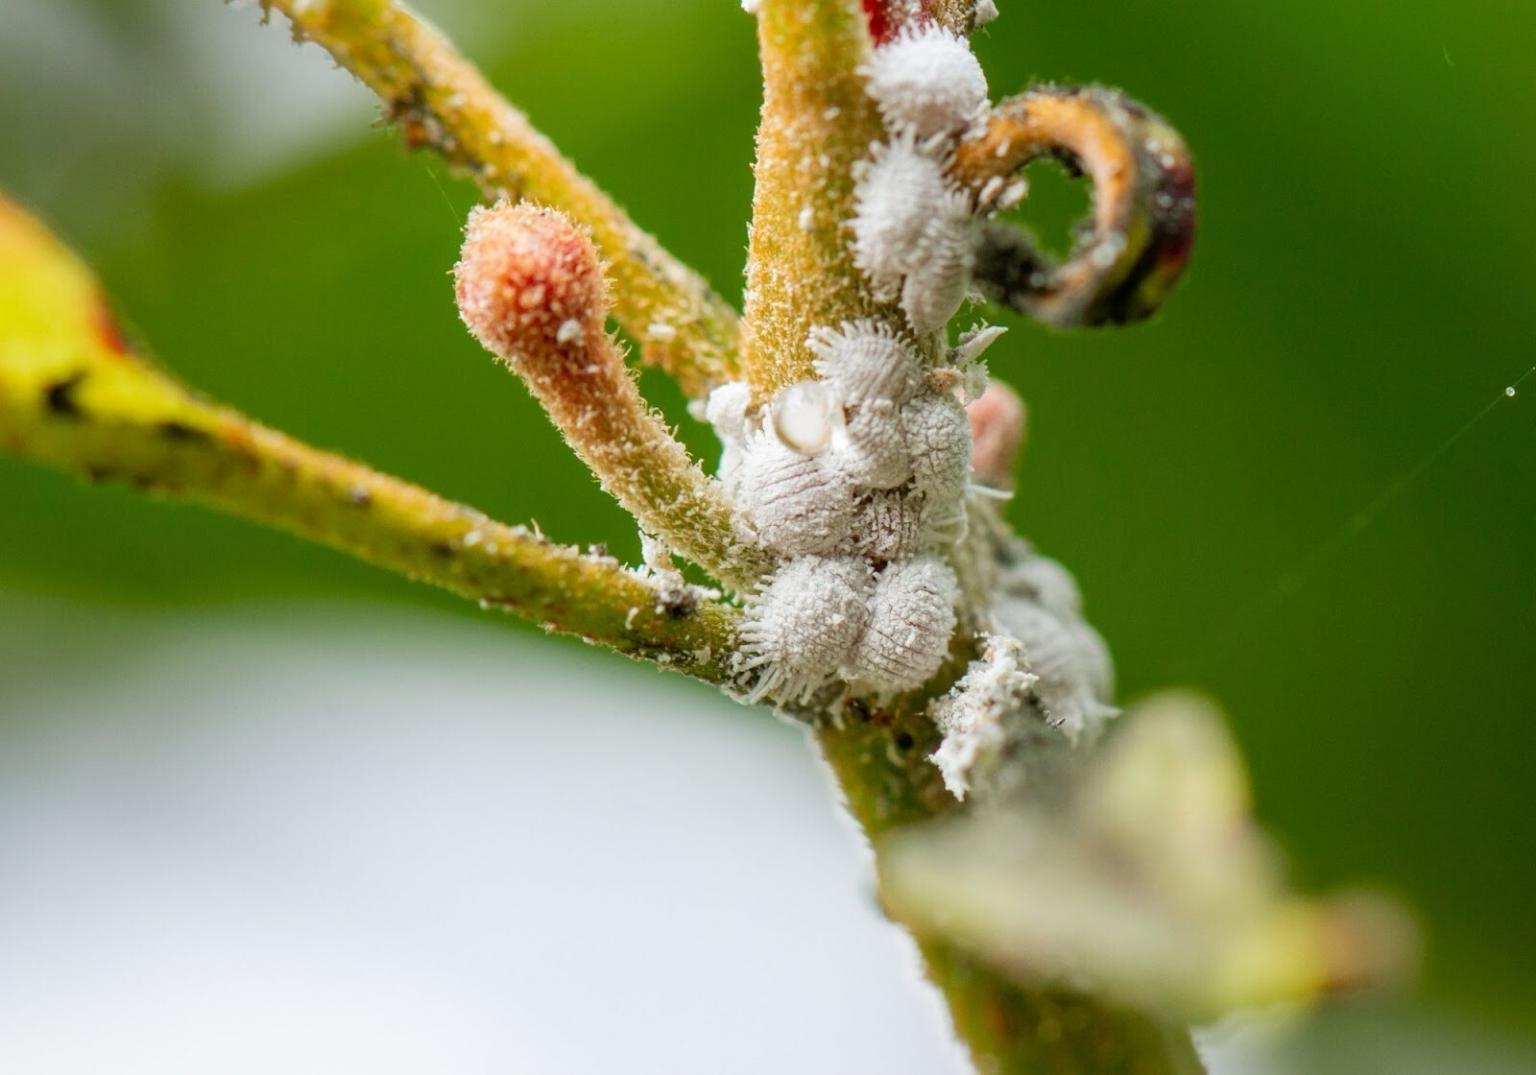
914	230
857	479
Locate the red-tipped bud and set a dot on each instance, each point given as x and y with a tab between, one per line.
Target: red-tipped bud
531	289
997	433
887	17
529	283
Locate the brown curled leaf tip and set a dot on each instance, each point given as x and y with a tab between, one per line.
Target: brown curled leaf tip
1143	225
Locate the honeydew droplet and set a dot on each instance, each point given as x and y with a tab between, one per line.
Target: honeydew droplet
804	417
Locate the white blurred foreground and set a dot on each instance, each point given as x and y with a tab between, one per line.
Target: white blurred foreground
308	840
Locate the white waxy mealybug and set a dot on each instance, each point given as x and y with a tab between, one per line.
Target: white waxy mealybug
940	274
1045	582
983	716
863	360
897	193
874	452
888	525
726	410
938	436
927	82
983	12
911	619
1070	660
805	415
803	625
797	504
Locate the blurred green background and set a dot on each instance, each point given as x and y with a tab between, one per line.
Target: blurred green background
1302	489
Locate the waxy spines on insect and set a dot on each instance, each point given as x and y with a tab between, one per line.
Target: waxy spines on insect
805	624
829	470
869	462
927	81
914	231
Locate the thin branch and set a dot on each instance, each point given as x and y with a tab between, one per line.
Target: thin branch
880	758
532	291
817	122
440	101
1144	206
74	395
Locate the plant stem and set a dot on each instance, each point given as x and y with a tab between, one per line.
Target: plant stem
439	100
531	289
817	122
74	395
880	758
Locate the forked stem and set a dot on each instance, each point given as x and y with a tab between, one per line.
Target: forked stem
532	291
440	101
75	396
817	122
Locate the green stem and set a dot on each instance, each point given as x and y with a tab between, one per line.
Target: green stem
880	758
73	395
817	122
439	100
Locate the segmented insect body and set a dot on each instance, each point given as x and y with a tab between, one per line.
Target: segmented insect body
926	81
874	455
938	437
896	195
805	623
865	361
911	619
940	271
888	525
798	505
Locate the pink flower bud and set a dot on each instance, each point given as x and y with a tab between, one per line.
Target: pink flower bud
997	433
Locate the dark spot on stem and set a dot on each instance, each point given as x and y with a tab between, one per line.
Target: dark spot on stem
442	548
904	741
678	606
183	433
59	397
359	497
